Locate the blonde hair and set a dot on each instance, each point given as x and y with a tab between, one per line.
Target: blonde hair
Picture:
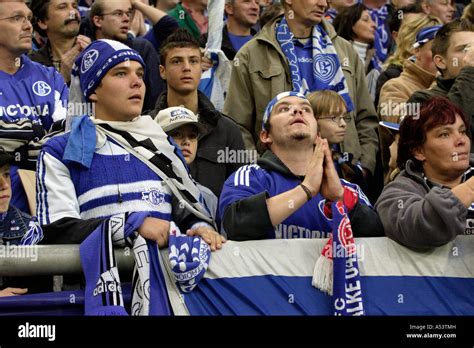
468	13
326	102
407	36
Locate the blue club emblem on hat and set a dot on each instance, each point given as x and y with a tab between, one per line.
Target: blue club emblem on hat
89	60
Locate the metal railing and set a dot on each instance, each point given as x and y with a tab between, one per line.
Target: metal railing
51	260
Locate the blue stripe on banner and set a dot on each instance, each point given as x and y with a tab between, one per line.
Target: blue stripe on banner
262	295
283	295
418	295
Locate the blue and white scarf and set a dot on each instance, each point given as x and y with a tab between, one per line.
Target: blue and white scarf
347	288
375	63
189	258
337	269
103	293
382	37
326	66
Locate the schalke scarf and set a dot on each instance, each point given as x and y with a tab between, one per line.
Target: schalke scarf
382	38
144	139
337	270
189	258
375	63
103	293
326	66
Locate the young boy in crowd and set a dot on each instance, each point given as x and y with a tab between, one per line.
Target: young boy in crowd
331	114
16	228
185	129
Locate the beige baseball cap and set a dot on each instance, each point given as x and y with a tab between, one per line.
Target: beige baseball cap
177	116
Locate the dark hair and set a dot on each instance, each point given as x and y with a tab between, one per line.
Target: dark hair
395	20
40	13
443	36
181	38
346	19
5	158
435	112
96	10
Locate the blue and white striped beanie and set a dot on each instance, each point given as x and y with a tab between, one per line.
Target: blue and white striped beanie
272	103
97	59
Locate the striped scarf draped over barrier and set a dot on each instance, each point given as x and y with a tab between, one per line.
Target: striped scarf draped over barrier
337	270
103	293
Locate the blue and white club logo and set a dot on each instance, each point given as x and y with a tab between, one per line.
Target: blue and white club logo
41	88
325	67
154	197
89	60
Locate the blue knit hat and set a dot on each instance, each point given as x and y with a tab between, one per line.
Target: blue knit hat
425	34
97	59
272	103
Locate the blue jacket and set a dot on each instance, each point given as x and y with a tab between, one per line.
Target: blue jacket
13	226
244	214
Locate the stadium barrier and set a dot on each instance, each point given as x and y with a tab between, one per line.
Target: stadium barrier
273	277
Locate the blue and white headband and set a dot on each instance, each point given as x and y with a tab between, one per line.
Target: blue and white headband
426	34
97	59
272	103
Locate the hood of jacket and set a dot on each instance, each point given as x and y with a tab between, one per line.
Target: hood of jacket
269	161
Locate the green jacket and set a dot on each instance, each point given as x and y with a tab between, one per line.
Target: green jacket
185	20
261	71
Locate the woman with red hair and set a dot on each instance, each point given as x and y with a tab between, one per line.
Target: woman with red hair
430	202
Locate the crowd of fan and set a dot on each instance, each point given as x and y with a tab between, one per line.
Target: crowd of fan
368	103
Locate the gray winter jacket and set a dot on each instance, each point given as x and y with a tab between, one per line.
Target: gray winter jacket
419	216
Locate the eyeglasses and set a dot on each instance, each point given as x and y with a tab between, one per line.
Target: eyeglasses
18	19
120	13
337	118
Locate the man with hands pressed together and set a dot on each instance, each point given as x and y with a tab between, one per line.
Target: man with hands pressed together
285	193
